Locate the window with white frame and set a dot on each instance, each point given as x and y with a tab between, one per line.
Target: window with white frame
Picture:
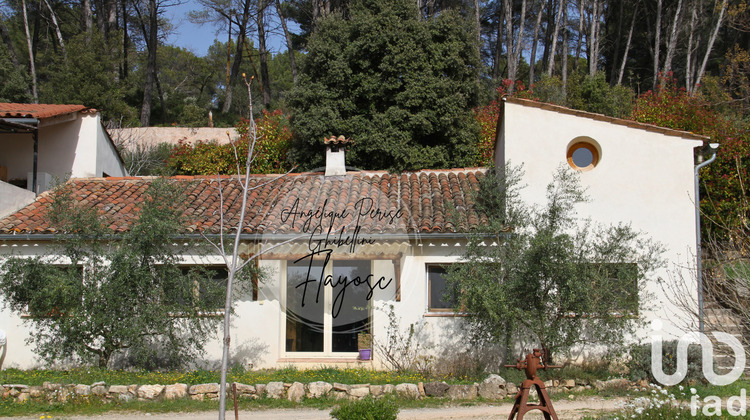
437	288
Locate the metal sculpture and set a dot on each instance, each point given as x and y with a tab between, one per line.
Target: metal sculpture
534	361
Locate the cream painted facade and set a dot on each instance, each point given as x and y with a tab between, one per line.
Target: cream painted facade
73	145
644	177
77	146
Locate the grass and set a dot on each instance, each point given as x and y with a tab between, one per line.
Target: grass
674	402
90	375
96	406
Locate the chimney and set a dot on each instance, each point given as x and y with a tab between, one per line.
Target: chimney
335	161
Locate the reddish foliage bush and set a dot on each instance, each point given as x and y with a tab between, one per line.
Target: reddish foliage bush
487	117
723	194
211	158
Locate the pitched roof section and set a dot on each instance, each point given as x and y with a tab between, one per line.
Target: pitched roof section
41	111
377	202
601	117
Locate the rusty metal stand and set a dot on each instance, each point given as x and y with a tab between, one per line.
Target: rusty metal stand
533	362
522	406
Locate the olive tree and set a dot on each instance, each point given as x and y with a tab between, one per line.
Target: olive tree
541	275
99	295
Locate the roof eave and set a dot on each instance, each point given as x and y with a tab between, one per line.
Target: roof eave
257	237
601	117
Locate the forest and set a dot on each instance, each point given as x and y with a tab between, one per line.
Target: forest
414	82
111	54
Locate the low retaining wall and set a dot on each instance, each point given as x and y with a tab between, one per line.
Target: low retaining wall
492	388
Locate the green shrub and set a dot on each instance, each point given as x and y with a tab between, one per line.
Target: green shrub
640	361
367	408
211	158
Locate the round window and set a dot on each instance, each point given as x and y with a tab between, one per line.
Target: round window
583	155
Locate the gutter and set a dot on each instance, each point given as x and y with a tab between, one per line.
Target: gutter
699	273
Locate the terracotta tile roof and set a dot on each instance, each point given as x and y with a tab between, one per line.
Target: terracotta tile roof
423	199
10	110
337	141
601	117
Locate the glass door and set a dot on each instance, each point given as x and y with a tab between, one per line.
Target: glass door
350	308
327	306
305	310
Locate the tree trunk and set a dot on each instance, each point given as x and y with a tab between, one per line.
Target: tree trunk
689	62
617	42
477	22
265	79
593	41
657	42
565	53
37	28
508	16
519	40
88	18
57	31
498	46
235	72
514	48
710	46
534	42
581	4
32	69
233	263
162	103
111	15
672	44
627	46
148	88
124	70
101	21
229	47
547	33
288	38
597	35
558	18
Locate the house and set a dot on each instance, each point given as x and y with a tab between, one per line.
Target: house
41	144
396	230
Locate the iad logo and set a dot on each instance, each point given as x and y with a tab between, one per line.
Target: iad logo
707	362
712	405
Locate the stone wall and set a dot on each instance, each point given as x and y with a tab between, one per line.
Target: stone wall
492	388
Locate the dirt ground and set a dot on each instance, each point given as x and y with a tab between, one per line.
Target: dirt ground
566	410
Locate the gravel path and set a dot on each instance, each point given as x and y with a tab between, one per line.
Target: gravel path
566	410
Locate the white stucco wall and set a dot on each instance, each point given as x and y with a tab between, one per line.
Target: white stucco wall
19	354
261	325
107	159
643	178
76	147
95	155
17	154
258	328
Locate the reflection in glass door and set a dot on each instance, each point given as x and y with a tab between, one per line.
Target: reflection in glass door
304	316
326	318
350	307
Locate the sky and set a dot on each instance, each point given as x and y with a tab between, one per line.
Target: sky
198	38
